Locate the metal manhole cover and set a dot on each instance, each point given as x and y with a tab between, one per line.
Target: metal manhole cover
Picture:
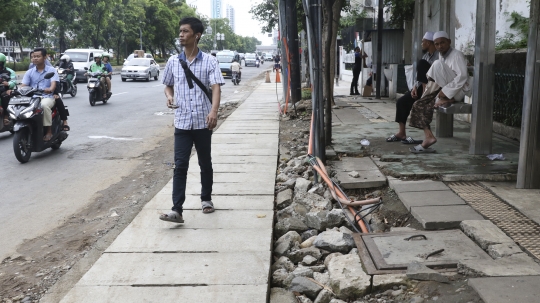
516	225
391	252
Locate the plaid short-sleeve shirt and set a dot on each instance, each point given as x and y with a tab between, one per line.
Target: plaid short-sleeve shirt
193	105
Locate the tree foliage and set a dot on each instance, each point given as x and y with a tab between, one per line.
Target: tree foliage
510	40
402	10
112	25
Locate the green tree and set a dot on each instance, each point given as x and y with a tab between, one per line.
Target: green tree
94	16
30	29
402	10
12	10
267	14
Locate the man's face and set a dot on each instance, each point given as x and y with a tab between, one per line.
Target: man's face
186	35
442	45
97	60
425	45
38	58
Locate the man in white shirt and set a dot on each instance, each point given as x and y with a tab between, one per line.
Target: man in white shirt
447	84
235	68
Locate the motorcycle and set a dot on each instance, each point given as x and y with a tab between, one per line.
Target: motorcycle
95	88
235	78
3	89
257	63
26	111
64	85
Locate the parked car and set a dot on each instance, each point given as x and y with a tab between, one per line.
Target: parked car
81	58
140	69
250	60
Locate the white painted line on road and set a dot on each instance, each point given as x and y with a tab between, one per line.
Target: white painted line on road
119	94
113	138
157	85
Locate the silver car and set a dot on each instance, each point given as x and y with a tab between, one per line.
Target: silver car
250	59
140	68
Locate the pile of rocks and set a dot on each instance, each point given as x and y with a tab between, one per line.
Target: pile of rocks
314	242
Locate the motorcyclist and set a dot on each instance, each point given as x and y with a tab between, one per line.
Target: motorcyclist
5	91
35	77
98	66
65	63
106	59
236	67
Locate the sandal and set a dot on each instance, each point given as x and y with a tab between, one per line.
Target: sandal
393	138
207	207
419	149
6	121
173	216
410	140
65	128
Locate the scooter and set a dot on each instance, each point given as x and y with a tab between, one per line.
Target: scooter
96	89
257	63
235	78
26	111
64	85
8	127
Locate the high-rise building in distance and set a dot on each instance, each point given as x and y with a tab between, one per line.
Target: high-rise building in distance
229	14
216	9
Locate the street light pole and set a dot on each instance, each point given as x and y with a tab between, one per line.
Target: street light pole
140	36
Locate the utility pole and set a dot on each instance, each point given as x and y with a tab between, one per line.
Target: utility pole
380	26
292	41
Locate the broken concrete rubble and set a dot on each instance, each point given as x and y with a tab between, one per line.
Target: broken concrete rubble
285	242
306	287
347	278
334	241
484	233
419	271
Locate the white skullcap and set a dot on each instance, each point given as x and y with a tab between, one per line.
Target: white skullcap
441	34
428	36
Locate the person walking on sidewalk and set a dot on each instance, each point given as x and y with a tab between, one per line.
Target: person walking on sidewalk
195	115
405	103
448	82
357	68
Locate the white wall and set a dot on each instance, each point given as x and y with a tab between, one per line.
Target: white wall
466	20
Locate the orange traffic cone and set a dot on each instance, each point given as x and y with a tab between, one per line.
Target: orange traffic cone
278	79
268	77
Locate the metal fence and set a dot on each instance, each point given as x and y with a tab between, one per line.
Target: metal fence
508	103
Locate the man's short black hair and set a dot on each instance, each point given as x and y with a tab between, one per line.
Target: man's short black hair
41	50
196	24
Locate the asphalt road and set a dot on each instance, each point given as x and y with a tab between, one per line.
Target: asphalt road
105	144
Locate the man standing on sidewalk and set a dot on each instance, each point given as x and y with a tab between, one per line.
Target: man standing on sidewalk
195	115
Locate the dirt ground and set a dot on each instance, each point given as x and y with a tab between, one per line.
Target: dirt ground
294	132
41	262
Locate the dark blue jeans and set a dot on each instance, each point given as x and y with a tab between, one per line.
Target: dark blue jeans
183	142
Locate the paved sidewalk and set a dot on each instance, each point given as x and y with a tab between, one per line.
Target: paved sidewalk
221	257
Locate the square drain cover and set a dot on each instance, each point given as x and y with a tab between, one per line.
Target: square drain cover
390	252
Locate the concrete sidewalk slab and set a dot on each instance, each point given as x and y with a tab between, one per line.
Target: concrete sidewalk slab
429	198
245	178
236	167
213	293
231	202
348	164
230	219
240	150
231	188
507	289
155	269
240	159
443	217
412	186
152	239
367	179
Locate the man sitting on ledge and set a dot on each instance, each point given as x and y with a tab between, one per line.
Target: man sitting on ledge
447	84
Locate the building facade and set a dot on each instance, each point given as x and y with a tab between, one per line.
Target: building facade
216	8
230	14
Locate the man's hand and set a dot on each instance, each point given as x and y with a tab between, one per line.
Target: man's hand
48	90
5	83
170	102
56	96
441	95
211	120
414	93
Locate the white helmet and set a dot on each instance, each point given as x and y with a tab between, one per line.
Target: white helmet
65	58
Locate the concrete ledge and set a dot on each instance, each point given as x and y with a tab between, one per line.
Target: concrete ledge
507	289
429	198
484	233
444	217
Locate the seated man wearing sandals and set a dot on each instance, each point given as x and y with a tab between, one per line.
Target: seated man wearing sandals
447	84
405	103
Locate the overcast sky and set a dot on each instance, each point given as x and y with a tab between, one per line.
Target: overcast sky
245	24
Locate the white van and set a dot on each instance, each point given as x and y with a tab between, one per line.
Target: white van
81	58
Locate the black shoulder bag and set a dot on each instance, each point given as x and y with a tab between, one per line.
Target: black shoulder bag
191	77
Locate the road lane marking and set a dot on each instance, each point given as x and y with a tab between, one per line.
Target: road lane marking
119	94
114	138
157	85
